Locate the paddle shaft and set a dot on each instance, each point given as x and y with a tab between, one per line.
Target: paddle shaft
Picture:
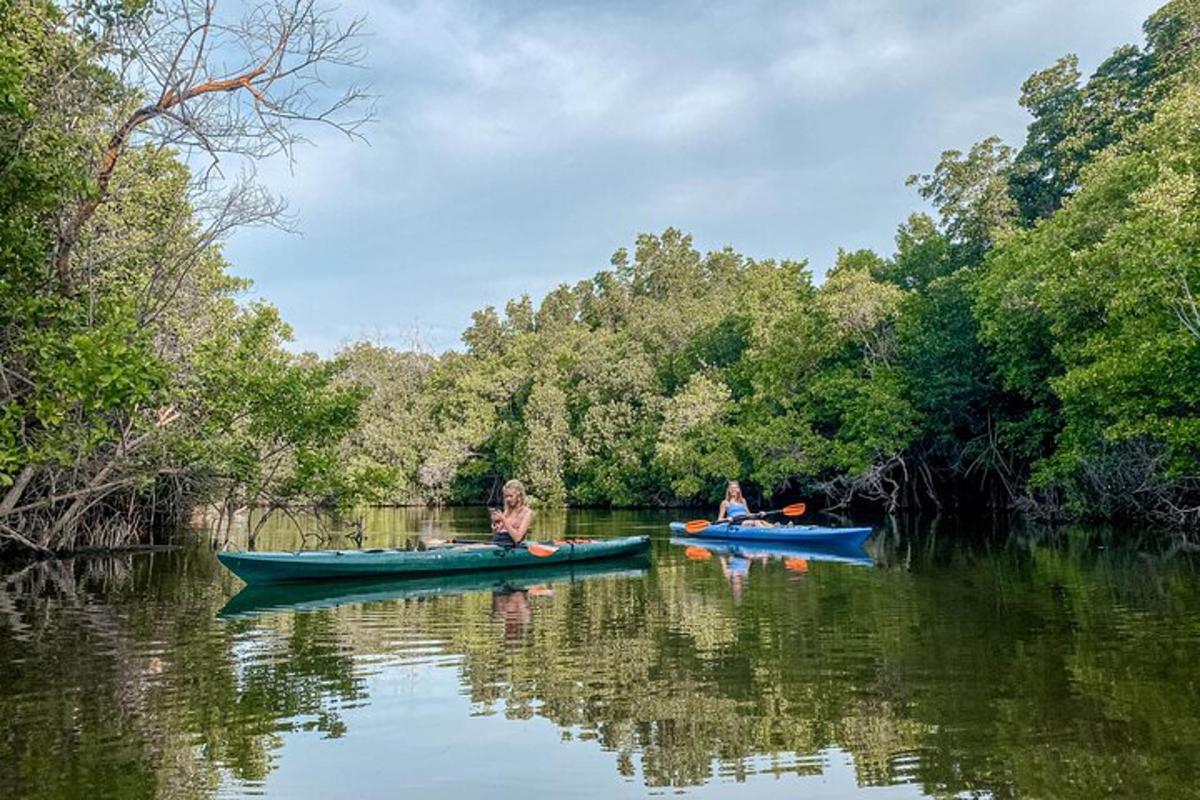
793	510
538	549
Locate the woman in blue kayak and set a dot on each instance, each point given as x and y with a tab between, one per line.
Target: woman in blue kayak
510	525
734	505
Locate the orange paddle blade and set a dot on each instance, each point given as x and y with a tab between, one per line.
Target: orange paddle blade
541	550
697	553
794	510
795	565
696	525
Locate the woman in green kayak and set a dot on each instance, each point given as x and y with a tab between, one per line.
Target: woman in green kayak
734	505
510	525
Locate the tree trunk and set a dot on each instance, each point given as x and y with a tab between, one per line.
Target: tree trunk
13	496
251	531
68	236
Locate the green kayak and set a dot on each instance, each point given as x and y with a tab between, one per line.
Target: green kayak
313	595
307	565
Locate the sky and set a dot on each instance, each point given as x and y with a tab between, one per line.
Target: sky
517	145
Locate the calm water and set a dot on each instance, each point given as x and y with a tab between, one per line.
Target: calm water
1010	667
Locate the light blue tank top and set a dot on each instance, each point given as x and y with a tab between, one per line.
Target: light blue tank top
736	510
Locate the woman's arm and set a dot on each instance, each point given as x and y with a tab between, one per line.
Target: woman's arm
518	527
721	514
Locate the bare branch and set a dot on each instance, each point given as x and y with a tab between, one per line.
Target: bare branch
250	111
1187	310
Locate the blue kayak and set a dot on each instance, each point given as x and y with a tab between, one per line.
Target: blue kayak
853	537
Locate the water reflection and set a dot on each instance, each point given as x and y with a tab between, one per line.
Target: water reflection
512	609
736	558
1015	667
310	595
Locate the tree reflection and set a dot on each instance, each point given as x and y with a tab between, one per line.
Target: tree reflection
119	683
954	671
1015	668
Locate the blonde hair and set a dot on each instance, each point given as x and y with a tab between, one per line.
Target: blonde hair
518	487
729	486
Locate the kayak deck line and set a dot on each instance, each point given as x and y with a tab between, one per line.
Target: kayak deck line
302	565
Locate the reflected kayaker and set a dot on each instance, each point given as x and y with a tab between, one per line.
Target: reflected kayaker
734	505
511	607
736	567
510	525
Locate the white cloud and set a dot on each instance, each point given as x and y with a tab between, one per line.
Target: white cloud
689	197
554	81
718	102
519	144
835	50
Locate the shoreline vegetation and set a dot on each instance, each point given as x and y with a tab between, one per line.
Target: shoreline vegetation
1034	344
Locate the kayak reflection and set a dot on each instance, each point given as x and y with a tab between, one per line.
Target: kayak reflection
305	596
736	558
791	555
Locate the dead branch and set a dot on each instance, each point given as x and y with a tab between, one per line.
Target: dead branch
252	110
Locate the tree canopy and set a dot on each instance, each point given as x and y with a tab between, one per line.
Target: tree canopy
1033	342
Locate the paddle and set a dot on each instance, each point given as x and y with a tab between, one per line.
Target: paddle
535	548
460	539
794	510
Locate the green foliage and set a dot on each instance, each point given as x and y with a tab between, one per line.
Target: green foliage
923	254
1036	342
395	424
659	380
272	422
1086	308
545	446
971	193
144	379
696	445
